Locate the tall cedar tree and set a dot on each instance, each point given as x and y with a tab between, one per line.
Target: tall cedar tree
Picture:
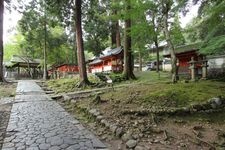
1	40
166	7
80	46
115	28
128	57
45	73
156	39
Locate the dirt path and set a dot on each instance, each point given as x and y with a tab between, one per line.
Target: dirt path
4	117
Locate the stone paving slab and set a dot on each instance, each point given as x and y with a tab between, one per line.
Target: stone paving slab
32	98
41	124
28	86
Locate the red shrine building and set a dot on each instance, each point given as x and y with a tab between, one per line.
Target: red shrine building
58	71
184	55
110	61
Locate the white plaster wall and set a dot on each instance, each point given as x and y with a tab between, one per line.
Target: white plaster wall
107	68
217	63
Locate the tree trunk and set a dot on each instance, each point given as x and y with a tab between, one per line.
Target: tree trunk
171	47
140	60
113	34
118	41
74	58
45	73
115	29
80	48
1	40
128	59
156	41
157	54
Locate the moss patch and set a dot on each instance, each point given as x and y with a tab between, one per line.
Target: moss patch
69	84
7	90
167	95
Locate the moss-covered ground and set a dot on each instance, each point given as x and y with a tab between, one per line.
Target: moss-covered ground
154	90
7	90
151	89
66	85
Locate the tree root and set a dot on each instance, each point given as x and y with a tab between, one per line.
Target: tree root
165	135
84	84
201	141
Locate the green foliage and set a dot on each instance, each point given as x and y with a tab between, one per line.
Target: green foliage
210	27
192	31
176	33
215	45
117	77
32	26
63	85
13	47
141	30
96	28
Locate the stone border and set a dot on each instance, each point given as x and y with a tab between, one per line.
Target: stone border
115	129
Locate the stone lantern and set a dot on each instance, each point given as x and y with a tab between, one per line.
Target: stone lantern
193	68
204	68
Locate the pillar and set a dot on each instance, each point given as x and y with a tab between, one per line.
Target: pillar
18	72
177	71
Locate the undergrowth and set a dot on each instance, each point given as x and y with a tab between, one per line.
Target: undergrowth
69	84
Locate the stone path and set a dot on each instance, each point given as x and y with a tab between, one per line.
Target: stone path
38	123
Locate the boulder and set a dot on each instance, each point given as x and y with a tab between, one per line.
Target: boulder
127	136
215	102
131	143
119	131
93	111
99	118
66	98
218	101
140	148
113	128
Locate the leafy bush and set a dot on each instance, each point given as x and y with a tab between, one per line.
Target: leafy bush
117	77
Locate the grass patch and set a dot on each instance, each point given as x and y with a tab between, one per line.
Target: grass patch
63	85
183	94
151	90
168	95
152	76
69	84
7	90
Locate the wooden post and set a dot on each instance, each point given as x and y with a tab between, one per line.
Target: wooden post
112	64
34	73
18	72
